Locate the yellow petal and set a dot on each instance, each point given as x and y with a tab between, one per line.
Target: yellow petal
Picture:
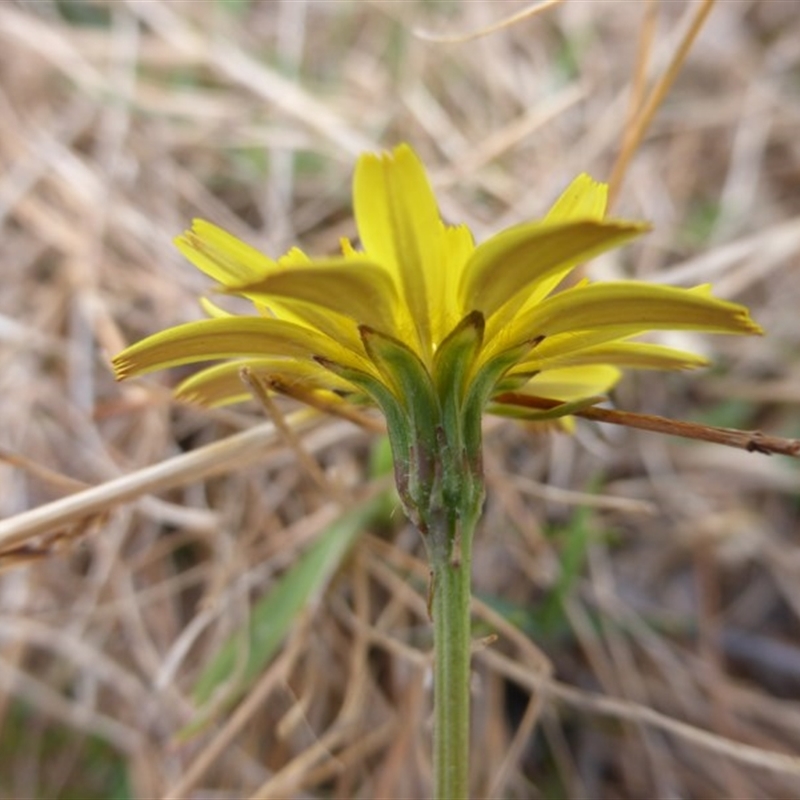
230	337
215	386
573	383
446	308
630	355
400	227
519	258
222	256
577	387
337	326
221	384
584	198
618	310
357	289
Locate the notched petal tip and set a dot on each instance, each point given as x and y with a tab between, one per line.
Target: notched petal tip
129	363
750	325
221	255
121	367
399	153
584	198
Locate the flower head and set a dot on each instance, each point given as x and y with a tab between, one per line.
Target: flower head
427	325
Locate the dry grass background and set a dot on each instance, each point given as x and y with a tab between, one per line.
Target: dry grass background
645	592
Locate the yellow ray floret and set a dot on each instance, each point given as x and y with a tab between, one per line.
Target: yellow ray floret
232	337
222	384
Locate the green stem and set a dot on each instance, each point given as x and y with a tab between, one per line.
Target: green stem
452	567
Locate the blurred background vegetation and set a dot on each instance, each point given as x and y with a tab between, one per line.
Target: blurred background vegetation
215	634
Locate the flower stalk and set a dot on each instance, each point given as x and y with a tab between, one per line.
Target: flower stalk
450	606
434	423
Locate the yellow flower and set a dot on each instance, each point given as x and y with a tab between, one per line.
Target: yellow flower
425	324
